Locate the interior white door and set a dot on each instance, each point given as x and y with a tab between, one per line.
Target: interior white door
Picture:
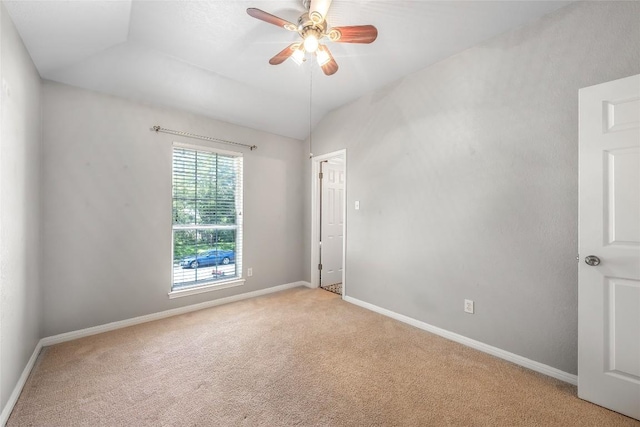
609	292
331	222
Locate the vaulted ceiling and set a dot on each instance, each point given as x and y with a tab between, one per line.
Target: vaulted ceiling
211	58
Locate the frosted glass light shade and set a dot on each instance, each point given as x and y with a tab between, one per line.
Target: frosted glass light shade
298	56
322	57
311	43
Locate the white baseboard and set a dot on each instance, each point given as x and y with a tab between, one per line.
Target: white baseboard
308	285
13	399
68	336
494	351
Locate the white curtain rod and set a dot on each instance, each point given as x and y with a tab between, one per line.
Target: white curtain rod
206	138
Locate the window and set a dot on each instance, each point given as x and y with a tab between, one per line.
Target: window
207	218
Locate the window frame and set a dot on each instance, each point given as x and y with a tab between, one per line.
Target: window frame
211	285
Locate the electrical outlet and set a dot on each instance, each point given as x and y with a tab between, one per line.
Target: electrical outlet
468	306
249	272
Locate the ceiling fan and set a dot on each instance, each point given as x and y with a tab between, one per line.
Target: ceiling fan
313	27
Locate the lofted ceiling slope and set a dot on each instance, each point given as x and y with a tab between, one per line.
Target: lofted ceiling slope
211	58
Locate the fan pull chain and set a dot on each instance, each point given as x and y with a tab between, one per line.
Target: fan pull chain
310	108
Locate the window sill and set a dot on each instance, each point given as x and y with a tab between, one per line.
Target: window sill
206	288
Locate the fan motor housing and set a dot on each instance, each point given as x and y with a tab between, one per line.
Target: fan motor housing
306	26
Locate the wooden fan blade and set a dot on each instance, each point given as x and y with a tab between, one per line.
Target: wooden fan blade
318	10
271	19
284	54
354	34
331	66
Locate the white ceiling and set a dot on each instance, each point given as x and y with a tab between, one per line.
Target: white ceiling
211	58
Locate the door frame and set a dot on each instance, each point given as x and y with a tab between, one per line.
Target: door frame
315	216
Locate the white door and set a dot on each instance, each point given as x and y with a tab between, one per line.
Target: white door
331	221
609	292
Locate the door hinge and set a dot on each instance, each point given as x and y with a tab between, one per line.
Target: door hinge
320	175
319	266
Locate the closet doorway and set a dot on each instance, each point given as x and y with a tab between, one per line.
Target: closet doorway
329	221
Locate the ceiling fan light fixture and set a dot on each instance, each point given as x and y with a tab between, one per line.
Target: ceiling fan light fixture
312	28
322	57
298	56
311	42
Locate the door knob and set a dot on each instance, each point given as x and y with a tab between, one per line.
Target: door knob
592	260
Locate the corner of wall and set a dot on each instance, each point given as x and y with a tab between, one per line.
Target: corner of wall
20	228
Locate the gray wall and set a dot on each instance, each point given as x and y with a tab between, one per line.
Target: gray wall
107	207
467	177
20	149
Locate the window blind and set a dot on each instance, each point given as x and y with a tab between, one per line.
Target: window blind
207	217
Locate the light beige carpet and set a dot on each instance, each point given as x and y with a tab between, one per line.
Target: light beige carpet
297	358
